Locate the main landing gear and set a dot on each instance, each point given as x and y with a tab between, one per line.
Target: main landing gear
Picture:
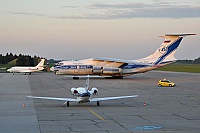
75	77
97	103
28	73
114	77
66	104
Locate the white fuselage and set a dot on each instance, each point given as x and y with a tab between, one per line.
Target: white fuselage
103	68
82	95
27	69
23	69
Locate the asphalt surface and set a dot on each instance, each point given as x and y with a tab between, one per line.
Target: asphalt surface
156	109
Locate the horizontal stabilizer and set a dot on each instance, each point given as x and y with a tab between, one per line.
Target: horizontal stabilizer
181	35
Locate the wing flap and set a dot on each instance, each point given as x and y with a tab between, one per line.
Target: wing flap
54	98
111	98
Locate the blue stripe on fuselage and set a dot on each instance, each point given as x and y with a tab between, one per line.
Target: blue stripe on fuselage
132	66
74	67
170	49
126	66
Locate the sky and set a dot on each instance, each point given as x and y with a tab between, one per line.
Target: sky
79	29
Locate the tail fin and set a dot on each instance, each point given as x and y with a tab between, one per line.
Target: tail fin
41	63
165	52
87	84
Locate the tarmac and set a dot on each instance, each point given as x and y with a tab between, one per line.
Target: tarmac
155	110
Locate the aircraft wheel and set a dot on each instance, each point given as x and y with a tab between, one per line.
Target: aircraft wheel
97	103
75	77
120	77
117	77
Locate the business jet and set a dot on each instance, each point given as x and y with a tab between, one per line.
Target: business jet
83	95
118	68
27	69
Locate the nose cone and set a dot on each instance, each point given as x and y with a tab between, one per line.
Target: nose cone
9	70
52	69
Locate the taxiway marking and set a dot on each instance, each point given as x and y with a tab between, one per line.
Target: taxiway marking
95	113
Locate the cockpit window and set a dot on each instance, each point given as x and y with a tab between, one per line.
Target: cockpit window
59	64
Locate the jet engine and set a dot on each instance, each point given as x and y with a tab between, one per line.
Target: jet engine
94	91
105	70
74	91
111	70
97	70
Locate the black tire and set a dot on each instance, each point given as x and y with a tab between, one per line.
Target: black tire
170	85
97	103
159	85
120	77
117	77
75	78
67	103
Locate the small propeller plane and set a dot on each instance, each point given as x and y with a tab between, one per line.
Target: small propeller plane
83	95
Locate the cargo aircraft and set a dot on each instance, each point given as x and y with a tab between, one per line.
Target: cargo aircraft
118	68
83	95
27	69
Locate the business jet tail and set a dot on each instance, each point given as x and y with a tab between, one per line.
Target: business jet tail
165	52
41	63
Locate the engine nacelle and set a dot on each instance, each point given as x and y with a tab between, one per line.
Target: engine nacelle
111	70
74	91
97	70
94	91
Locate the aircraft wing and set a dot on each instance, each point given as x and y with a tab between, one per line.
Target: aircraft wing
111	98
111	60
54	98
